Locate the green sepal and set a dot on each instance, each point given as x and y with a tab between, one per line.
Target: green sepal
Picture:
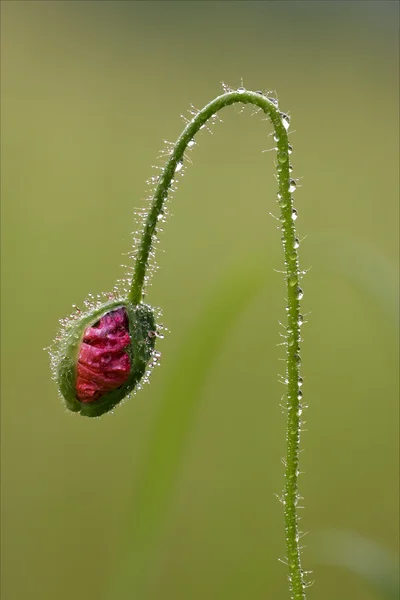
141	324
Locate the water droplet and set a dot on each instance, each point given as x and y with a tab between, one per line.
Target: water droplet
294	214
273	101
282	157
178	167
191	143
299	397
300	320
290	148
292	255
293	280
283	202
292	186
276	137
296	243
300	381
285	120
299	411
241	90
299	293
297	360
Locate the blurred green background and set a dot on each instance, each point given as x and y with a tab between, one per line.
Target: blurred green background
172	496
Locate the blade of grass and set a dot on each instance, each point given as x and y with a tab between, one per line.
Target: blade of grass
343	256
364	557
182	394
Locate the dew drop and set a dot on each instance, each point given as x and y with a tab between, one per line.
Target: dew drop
290	148
276	137
292	186
299	293
179	166
292	255
283	202
293	280
294	214
241	90
191	143
299	397
296	243
300	381
285	120
273	101
300	320
282	157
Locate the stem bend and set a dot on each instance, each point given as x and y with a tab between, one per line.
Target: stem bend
280	122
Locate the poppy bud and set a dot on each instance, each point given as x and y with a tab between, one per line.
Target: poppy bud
103	356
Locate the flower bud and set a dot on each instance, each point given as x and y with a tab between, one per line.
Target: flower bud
103	356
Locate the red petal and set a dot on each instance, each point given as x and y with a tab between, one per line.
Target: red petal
102	363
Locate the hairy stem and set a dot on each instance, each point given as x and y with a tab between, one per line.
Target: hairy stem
288	215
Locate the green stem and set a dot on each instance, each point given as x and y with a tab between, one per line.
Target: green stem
290	244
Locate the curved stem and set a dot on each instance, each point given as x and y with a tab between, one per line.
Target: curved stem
288	215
